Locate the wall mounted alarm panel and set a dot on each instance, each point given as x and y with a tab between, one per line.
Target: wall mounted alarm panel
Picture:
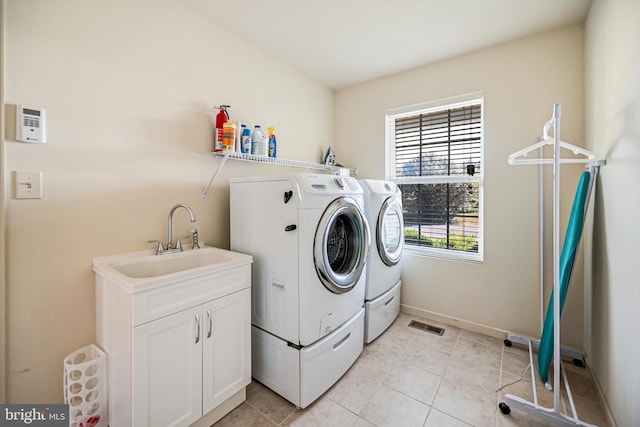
30	124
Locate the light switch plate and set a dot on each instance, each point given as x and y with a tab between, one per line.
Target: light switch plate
28	185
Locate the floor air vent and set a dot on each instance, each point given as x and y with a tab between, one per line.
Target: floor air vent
427	328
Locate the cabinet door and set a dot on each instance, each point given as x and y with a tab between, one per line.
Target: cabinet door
226	366
167	370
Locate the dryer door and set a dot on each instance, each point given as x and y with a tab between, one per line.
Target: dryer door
341	245
390	231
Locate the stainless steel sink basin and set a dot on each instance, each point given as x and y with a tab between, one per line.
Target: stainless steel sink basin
146	267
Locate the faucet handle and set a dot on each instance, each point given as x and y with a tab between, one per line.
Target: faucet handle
179	242
160	245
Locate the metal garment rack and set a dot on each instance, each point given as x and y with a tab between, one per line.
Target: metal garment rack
336	170
553	415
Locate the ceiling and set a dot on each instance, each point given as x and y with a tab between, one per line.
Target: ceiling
345	42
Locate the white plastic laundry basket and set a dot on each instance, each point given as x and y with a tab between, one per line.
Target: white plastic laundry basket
85	387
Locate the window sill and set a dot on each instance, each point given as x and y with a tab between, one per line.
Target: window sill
444	255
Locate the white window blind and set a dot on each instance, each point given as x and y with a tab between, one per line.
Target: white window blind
435	156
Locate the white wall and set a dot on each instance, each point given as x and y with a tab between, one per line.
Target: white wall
613	132
129	89
521	81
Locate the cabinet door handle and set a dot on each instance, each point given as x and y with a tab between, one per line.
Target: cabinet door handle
198	328
210	323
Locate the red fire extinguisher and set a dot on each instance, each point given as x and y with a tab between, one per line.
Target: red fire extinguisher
221	118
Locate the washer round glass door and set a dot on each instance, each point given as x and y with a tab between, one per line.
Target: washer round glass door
390	231
341	245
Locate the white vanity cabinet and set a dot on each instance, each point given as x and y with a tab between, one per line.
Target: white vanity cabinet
226	353
186	364
177	351
167	371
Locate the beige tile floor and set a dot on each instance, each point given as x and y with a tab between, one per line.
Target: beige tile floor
409	377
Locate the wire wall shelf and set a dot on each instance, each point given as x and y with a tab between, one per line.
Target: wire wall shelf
284	162
337	170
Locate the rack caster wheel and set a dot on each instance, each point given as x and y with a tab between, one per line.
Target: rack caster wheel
579	363
504	408
508	343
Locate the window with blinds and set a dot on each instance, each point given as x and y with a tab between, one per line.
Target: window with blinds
435	156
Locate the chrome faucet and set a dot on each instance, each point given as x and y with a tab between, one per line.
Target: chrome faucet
178	246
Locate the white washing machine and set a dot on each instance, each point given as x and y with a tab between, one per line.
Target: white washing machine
383	208
309	240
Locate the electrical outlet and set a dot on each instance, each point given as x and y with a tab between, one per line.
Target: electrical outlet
28	185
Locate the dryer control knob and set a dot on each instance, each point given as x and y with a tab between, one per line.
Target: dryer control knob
340	182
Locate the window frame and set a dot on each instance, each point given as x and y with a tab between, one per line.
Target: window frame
475	98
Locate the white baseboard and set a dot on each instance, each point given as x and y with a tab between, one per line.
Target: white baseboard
453	321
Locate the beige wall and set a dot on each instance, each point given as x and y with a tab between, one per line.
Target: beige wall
129	86
613	131
3	294
129	89
521	81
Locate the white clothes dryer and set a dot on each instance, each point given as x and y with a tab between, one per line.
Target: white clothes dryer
383	207
309	239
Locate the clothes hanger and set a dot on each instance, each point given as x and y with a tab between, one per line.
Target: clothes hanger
516	158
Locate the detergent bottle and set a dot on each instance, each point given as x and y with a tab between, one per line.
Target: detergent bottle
273	145
245	140
259	145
